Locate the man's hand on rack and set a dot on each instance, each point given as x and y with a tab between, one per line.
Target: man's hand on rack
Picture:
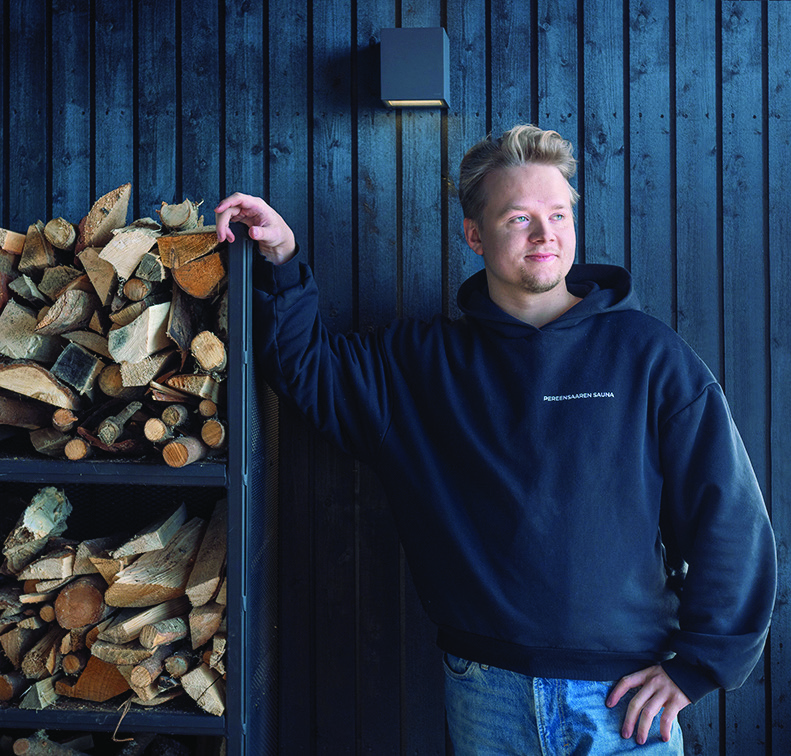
275	238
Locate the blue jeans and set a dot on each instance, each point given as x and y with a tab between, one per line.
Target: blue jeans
493	712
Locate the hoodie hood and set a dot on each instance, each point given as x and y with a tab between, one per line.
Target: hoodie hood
602	288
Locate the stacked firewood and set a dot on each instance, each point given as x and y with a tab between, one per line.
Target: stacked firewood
142	616
104	324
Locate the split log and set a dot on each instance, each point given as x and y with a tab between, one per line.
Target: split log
206	687
150	268
129	312
180	662
11	241
111	428
176	250
164	632
145	673
156	431
40	745
142	373
213	434
34	663
125	251
130	623
156	536
206	574
108	567
111	384
91	340
44	517
184	451
25	288
209	352
41	694
49	442
159	575
207	409
19	338
144	336
78	367
75	662
28	378
23	413
219	643
56	280
182	217
12	685
57	564
204	622
37	254
161	698
137	289
107	214
93	547
202	278
99	682
118	654
61	234
175	416
81	602
8	275
183	321
101	274
20	639
77	449
200	385
64	420
72	311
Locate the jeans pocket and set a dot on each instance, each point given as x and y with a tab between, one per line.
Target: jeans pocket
457	667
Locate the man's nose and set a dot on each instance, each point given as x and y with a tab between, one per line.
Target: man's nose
540	230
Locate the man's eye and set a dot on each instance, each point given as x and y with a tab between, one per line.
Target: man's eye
558	216
520	219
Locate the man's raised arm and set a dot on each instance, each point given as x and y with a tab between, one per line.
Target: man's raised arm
275	239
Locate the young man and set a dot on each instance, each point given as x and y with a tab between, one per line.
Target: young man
579	513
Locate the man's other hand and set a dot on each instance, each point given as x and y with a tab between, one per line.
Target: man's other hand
657	692
275	238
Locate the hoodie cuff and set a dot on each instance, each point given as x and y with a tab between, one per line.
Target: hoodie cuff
271	278
694	683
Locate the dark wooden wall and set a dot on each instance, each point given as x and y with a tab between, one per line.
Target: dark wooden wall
681	113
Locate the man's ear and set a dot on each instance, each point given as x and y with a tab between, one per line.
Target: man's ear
473	236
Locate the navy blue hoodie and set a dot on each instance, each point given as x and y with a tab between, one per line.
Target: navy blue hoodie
574	501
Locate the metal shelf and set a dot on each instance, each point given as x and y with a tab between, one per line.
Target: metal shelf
127	471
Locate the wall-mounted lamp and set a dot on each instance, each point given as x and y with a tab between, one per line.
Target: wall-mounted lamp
415	68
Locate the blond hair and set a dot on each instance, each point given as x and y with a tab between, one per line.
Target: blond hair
520	145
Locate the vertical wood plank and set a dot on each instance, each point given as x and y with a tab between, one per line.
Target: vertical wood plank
699	277
245	100
113	114
744	257
378	552
28	152
558	88
604	159
652	221
287	168
200	102
422	239
779	213
512	71
336	722
156	143
71	111
466	126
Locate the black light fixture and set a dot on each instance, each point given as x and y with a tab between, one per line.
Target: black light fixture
415	67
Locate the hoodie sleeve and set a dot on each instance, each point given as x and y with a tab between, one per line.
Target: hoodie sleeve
338	383
722	530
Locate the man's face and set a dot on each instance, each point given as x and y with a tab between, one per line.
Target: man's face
527	238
